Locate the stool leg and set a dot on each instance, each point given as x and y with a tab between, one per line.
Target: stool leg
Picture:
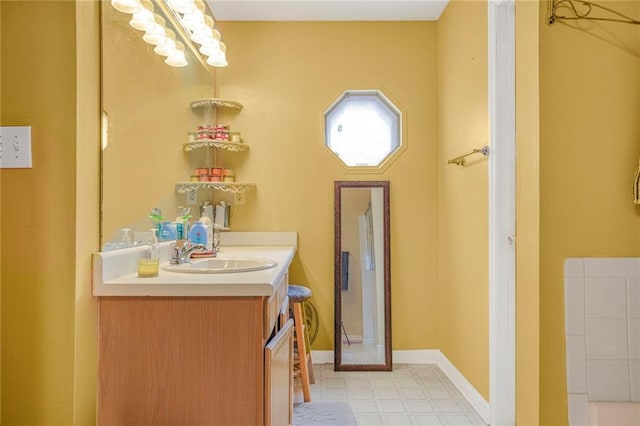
302	351
307	343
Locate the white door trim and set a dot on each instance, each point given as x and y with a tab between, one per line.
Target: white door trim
502	245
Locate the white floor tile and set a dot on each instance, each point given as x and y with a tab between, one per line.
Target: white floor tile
425	420
417	395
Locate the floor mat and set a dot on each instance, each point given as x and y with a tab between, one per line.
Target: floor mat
323	413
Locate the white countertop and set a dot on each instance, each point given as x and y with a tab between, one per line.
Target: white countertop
115	272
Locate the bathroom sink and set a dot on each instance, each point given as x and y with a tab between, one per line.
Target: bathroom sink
222	265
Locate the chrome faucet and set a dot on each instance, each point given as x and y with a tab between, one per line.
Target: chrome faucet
181	251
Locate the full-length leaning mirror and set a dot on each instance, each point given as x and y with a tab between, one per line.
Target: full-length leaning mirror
362	276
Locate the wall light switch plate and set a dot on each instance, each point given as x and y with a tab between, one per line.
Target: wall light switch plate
15	147
238	198
192	197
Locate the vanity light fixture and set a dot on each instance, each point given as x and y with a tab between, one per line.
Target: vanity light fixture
190	14
200	28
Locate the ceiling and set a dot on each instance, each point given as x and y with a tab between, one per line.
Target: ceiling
327	10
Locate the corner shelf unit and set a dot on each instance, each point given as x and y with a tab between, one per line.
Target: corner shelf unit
207	106
215	143
214	103
231	187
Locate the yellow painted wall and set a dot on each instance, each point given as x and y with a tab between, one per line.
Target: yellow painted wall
463	250
527	215
589	149
38	217
286	75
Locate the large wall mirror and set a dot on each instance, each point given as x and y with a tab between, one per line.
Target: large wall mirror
362	276
146	118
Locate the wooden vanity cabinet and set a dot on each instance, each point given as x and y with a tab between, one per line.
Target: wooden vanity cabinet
194	360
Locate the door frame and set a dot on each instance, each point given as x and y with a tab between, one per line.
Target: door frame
502	224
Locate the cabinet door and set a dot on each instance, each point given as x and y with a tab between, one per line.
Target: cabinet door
278	384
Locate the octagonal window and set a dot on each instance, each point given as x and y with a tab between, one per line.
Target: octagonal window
363	128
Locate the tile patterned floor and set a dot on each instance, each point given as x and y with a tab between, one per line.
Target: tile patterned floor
412	394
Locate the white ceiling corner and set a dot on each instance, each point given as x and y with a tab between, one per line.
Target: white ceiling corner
327	10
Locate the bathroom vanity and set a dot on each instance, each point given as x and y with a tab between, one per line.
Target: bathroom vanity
196	348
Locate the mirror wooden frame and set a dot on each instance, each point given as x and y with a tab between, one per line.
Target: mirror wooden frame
338	364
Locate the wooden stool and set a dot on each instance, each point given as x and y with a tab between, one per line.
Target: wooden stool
297	295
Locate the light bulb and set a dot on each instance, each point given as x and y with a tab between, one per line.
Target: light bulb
196	18
143	20
204	31
212	45
182	6
177	58
156	34
168	45
126	6
219	59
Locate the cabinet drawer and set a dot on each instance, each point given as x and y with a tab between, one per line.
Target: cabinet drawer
274	304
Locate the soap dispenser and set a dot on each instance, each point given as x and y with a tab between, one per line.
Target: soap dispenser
148	266
126	239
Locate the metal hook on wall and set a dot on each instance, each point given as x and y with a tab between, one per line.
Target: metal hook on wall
582	9
460	160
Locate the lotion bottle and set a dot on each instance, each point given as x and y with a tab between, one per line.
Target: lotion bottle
209	225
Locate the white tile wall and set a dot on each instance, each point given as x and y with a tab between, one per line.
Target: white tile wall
574	314
633	288
634	338
608	380
605	297
602	329
576	364
578	410
607	338
634	375
612	267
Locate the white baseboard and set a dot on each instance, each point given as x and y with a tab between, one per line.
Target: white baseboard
428	356
474	397
322	357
